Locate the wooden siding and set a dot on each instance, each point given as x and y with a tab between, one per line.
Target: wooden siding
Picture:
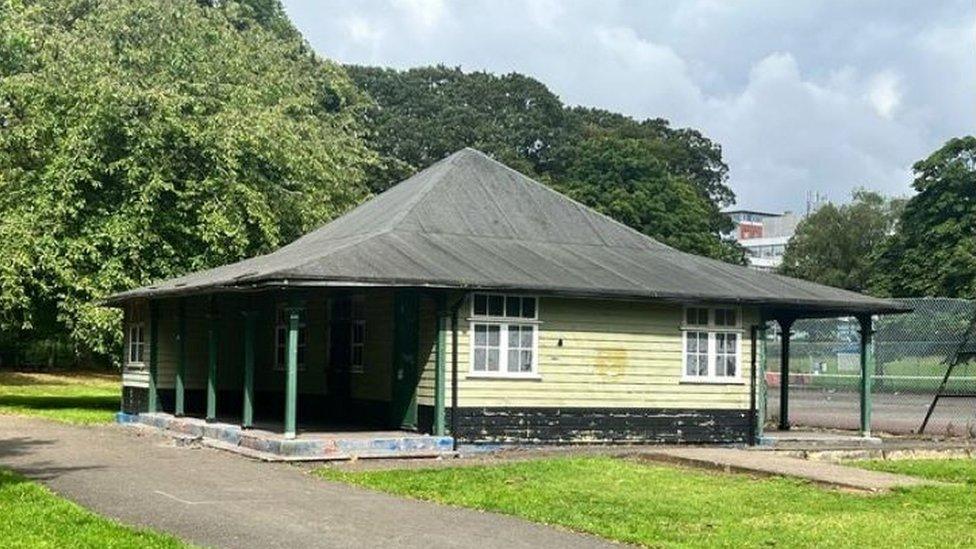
595	353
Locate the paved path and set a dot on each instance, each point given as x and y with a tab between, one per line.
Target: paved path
767	462
219	499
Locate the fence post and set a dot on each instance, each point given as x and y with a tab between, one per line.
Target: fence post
786	326
867	372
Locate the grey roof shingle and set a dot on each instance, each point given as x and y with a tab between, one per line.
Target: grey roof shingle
473	223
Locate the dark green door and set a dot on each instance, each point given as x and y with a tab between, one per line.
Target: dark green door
405	342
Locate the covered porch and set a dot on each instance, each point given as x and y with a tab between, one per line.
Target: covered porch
335	369
785	319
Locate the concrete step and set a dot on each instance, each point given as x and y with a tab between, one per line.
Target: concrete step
275	447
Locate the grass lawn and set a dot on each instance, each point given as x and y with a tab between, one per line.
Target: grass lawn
32	516
82	398
962	471
657	505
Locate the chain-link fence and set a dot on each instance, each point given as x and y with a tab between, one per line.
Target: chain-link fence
912	352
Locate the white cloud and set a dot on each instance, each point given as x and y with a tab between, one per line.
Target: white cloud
799	98
884	94
425	15
361	31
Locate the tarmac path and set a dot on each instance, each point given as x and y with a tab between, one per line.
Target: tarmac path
219	499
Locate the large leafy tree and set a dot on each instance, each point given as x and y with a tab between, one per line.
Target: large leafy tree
623	178
835	244
143	139
933	252
421	115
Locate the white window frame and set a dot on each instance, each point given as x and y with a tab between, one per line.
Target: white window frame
712	330
355	300
503	322
281	324
131	343
354	367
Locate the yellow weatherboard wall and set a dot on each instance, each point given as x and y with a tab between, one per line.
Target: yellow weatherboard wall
624	354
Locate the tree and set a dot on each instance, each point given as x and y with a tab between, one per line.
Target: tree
835	245
140	140
421	115
623	178
933	253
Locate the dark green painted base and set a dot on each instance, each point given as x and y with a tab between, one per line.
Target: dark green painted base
135	400
594	425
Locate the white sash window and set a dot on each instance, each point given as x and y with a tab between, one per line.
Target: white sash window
504	336
712	345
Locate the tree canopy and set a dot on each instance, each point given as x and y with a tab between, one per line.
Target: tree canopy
140	140
835	245
668	183
933	252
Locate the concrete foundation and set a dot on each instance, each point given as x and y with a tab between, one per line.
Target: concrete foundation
307	446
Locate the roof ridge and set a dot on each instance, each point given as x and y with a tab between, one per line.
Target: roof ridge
415	200
352	241
579	205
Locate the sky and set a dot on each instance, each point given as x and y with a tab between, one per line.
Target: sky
804	96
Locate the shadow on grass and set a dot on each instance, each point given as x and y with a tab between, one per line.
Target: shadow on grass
21	379
106	403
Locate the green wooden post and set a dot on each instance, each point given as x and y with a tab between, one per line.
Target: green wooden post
250	321
786	325
179	408
439	372
212	366
291	365
867	372
153	357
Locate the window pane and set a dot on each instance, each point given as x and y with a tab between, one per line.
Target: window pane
527	336
526	361
480	335
513	360
513	306
480	304
725	317
479	360
730	365
691	368
528	307
513	335
691	343
493	355
496	305
494	336
696	316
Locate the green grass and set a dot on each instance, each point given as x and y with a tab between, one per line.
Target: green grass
961	471
32	516
80	398
663	506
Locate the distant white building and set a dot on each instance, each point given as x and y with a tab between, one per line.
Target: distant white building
764	235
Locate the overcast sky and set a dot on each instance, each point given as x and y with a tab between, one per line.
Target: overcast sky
818	95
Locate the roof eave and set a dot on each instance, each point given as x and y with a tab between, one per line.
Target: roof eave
806	308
